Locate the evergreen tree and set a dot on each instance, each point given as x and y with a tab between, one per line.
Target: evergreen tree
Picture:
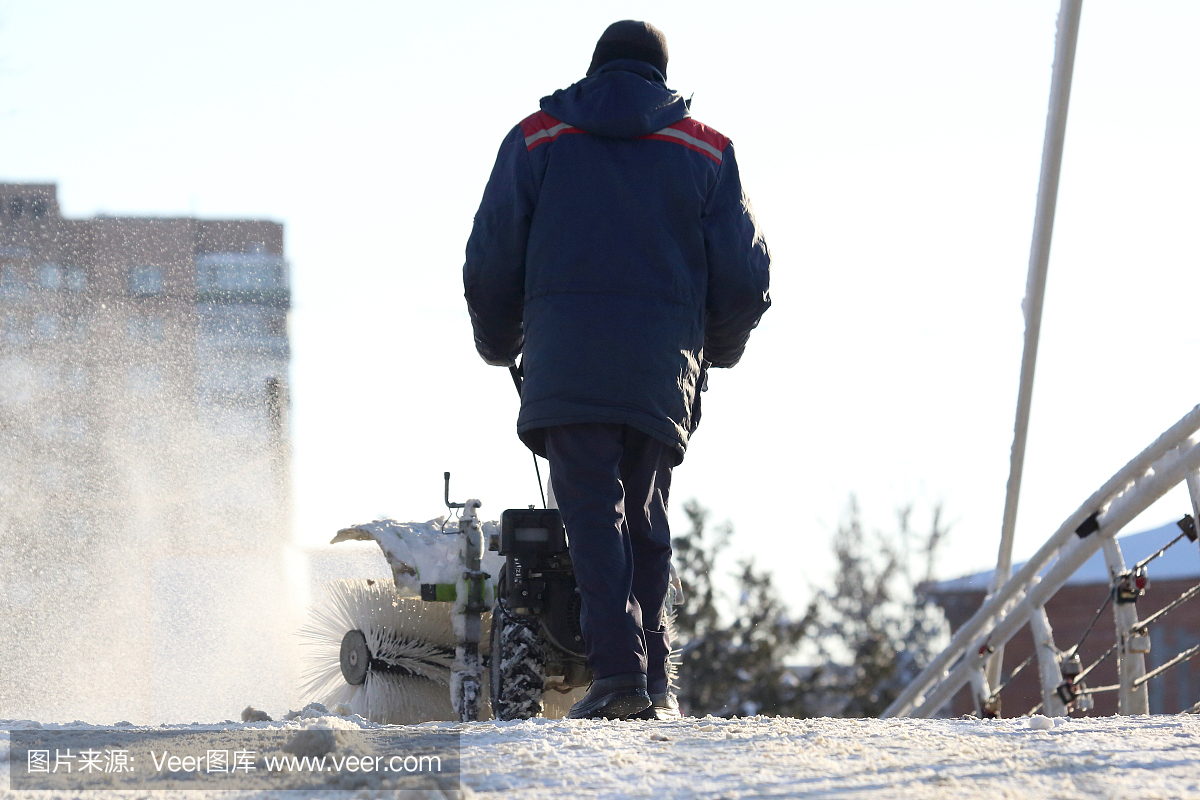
736	668
873	629
876	617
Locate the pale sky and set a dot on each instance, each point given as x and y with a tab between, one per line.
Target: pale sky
891	150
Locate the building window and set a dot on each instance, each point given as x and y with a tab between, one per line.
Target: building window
16	381
232	423
14	328
77	429
146	280
242	326
76	279
80	526
45	326
78	328
49	426
146	427
50	276
144	329
38	208
52	477
77	378
227	377
48	377
241	272
16	207
11	285
146	379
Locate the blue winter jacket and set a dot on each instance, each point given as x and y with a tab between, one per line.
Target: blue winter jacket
615	248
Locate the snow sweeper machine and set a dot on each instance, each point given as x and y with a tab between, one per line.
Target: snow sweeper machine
479	617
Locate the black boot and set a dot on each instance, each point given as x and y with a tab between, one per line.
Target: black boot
614	697
662	706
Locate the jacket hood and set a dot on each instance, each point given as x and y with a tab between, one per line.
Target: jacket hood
623	99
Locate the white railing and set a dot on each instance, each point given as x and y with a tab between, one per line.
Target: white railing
1173	458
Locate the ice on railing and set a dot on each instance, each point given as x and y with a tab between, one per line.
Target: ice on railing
1150	474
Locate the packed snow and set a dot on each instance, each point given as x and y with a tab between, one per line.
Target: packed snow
1113	757
423	552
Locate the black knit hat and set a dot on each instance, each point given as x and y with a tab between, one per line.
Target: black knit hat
631	39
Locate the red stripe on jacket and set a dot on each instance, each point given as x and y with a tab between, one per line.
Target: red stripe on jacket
540	128
702	132
695	136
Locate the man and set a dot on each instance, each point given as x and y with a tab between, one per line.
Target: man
615	249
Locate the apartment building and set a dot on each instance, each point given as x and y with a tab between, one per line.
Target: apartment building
143	436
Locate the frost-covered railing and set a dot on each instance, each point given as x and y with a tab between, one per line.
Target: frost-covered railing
1172	458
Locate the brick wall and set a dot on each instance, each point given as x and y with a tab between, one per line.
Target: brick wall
1070	611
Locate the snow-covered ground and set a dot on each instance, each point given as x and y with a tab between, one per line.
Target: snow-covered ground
1114	757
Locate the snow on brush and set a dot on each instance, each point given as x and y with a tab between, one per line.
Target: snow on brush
1110	757
420	552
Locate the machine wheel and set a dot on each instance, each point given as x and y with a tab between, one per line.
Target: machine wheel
518	665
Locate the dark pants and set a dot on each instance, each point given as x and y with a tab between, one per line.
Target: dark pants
612	483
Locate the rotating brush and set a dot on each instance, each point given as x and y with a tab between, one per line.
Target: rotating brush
385	657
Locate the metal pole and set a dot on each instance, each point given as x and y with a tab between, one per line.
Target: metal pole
1132	697
1035	286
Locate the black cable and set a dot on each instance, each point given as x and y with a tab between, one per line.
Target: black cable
1179	659
538	470
1162	612
1075	650
1148	559
1079	678
996	692
518	377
